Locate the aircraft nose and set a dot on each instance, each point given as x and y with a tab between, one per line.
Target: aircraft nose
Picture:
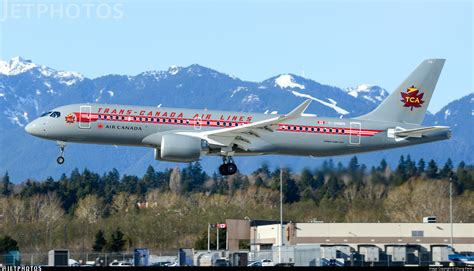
33	128
29	127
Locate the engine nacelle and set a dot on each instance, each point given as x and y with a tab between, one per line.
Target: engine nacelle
179	148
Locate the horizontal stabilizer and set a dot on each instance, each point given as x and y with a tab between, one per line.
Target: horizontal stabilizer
419	132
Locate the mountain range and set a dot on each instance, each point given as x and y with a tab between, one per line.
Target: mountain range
27	89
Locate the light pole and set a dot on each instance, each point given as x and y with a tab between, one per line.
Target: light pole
451	209
253	242
208	237
281	215
217	237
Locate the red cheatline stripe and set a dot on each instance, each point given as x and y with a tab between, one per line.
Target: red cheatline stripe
86	117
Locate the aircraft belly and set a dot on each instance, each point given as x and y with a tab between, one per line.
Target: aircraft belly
307	144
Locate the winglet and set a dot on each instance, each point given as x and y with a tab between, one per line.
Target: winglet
296	113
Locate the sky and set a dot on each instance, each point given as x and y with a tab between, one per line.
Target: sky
340	43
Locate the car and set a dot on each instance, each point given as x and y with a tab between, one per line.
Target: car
285	264
166	263
116	263
267	262
255	264
221	262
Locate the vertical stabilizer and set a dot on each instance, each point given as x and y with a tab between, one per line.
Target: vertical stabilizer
408	103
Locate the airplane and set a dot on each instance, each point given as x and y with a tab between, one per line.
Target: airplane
185	135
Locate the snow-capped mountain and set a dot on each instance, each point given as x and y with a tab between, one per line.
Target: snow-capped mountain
28	89
374	94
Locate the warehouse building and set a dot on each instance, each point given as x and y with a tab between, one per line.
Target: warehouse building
375	243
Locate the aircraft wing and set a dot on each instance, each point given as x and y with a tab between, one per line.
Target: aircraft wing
418	132
225	136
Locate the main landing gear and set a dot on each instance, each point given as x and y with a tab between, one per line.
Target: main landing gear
228	166
60	159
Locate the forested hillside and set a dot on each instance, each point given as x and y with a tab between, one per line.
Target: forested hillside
163	210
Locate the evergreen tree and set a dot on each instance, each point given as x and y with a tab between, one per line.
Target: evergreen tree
432	169
421	166
100	242
307	194
400	175
130	184
290	189
447	169
333	187
5	185
150	179
306	178
465	179
328	166
117	243
263	169
353	166
110	184
49	185
383	165
193	177
410	167
402	167
7	244
318	180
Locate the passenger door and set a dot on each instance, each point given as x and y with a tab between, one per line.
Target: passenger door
85	117
354	136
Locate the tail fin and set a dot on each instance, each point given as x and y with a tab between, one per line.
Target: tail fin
408	103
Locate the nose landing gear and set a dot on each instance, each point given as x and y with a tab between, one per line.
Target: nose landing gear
228	166
60	159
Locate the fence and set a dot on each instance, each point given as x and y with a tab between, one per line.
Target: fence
298	255
312	256
97	259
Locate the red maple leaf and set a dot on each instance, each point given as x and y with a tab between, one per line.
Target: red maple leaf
412	99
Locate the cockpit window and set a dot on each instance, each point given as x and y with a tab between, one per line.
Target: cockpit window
45	114
55	114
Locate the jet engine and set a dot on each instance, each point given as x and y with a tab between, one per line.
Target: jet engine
179	148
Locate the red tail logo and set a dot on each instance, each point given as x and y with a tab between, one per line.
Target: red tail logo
411	98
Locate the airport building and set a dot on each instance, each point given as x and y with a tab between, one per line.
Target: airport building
375	243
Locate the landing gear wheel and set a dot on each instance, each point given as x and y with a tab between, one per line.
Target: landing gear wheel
231	168
228	166
223	170
60	160
62	145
